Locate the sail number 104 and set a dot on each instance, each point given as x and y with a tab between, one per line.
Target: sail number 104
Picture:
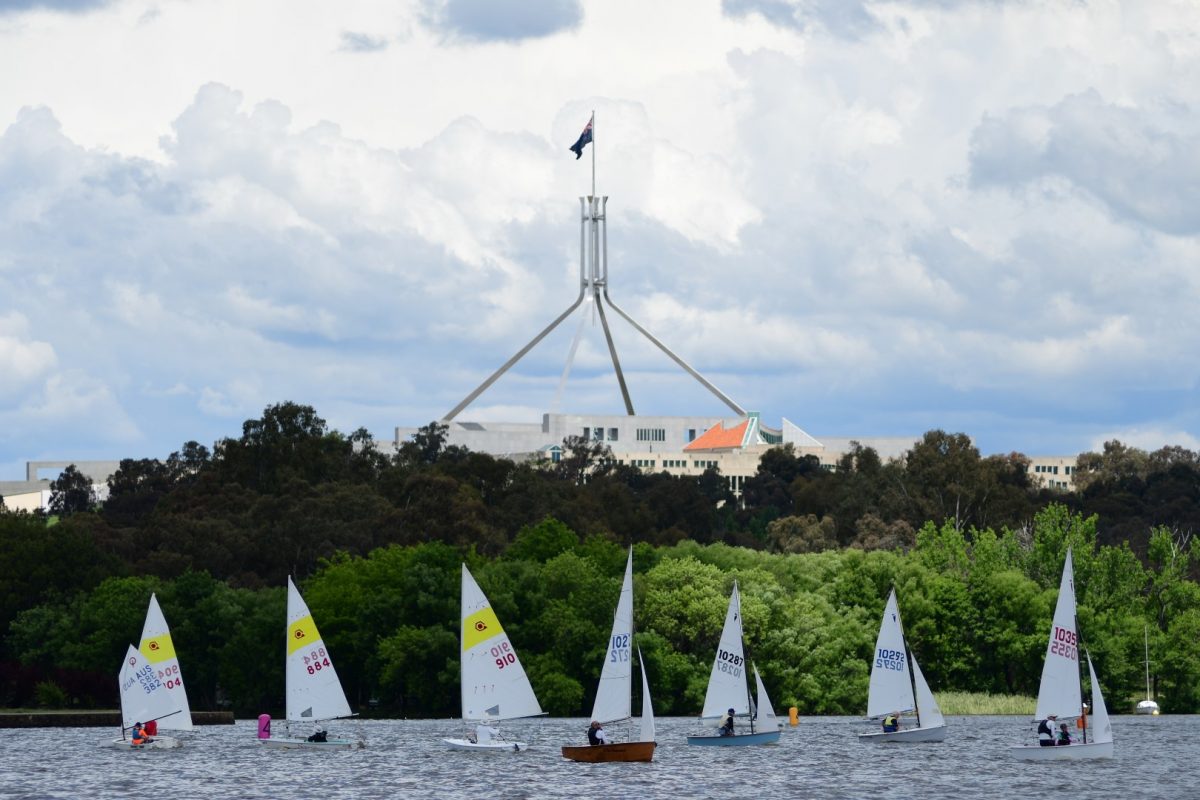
1064	643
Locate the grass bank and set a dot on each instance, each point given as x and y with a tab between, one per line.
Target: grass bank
960	703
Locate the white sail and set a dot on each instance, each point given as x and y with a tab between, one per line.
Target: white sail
1059	693
927	707
647	723
891	686
143	696
158	650
613	693
767	721
494	684
727	682
313	689
1100	728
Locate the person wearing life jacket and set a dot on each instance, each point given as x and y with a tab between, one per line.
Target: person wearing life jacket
1064	737
593	737
891	723
1045	731
726	728
140	736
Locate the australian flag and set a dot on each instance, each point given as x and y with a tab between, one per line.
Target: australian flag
584	138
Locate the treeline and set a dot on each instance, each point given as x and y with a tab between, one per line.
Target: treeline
376	538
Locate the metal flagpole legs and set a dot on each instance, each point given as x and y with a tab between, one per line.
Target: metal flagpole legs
593	282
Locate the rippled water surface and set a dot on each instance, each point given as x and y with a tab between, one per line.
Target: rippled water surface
1155	758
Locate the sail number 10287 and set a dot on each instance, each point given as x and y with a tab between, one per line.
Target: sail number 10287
730	663
1064	643
504	655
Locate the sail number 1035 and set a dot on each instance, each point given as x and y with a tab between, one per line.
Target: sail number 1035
1064	643
504	655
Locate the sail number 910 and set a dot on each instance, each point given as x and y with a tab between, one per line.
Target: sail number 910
1064	643
889	659
504	655
730	663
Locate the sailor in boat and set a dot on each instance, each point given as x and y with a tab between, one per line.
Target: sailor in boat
1046	731
891	723
484	734
726	728
1064	737
318	734
140	737
596	734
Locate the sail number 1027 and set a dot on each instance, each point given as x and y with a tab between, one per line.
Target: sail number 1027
504	655
618	651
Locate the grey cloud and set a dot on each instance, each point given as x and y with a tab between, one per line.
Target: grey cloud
68	6
849	19
1143	164
354	42
502	20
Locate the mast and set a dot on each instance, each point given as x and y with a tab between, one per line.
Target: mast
750	704
1078	644
1146	631
908	659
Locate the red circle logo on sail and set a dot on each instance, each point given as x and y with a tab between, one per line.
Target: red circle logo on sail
481	626
132	661
299	634
154	645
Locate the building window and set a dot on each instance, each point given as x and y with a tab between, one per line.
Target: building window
598	434
1055	470
651	435
555	455
691	437
587	433
612	434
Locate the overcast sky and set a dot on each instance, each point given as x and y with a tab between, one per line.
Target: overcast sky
872	218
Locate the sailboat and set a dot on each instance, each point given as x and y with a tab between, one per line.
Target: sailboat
144	698
1061	693
314	693
157	651
613	695
727	688
1147	706
895	688
494	684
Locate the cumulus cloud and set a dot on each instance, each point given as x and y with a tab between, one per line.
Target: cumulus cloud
356	42
68	6
502	20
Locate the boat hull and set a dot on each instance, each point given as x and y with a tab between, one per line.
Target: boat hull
738	740
935	733
1147	707
285	743
490	747
617	751
1073	752
157	743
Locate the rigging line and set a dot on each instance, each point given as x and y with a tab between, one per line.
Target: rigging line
562	382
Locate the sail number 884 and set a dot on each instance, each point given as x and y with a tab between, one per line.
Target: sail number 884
316	661
730	663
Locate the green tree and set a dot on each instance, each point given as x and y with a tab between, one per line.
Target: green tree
72	493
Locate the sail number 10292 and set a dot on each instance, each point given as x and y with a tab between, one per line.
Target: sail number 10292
889	659
618	651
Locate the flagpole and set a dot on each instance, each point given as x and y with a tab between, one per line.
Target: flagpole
593	152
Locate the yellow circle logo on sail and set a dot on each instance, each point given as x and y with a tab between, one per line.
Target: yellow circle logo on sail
157	649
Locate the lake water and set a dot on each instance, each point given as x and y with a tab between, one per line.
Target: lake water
821	758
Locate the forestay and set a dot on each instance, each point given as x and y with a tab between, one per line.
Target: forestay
143	696
616	676
727	683
1059	693
158	650
494	684
891	687
313	689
